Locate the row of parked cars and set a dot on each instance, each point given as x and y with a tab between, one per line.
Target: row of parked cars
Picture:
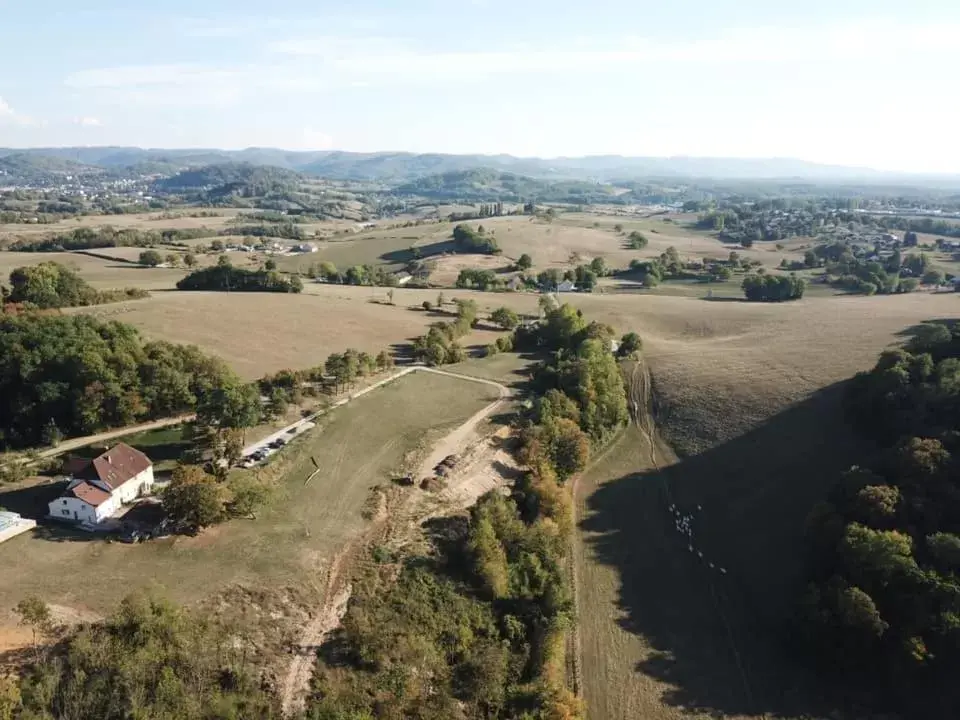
264	452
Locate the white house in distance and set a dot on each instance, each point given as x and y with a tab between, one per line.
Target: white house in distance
97	488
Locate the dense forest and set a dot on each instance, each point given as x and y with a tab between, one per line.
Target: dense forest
242	178
226	278
76	375
485	184
882	613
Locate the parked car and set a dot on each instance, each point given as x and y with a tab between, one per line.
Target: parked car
131	536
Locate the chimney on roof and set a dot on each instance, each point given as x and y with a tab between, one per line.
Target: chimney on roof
109	459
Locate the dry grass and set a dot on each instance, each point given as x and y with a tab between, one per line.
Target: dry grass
358	447
448	267
102	273
259	333
750	394
145	221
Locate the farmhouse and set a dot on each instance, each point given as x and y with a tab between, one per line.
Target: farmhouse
97	488
567	286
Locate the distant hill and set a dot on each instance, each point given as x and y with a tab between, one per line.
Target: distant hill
227	178
486	184
399	167
24	168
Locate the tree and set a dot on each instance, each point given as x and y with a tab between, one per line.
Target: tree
10	700
384	360
193	498
327	270
270	264
524	262
35	614
190	260
637	240
52	434
933	277
599	266
172	259
505	318
217	246
630	344
247	496
150	258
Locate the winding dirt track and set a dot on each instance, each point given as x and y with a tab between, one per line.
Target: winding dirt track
471	480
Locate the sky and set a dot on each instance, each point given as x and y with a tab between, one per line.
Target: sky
851	82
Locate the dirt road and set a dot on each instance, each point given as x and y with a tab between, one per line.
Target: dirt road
482	461
74	443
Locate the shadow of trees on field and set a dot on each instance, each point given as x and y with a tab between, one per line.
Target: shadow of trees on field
405	255
720	640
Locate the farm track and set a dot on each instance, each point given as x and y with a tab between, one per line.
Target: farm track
465	487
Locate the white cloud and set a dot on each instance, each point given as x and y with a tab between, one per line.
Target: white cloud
87	121
8	116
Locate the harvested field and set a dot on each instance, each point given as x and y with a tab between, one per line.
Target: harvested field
101	272
360	445
448	267
145	221
259	333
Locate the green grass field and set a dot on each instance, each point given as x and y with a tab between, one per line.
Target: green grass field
359	446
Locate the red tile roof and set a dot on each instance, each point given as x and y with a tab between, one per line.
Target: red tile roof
88	493
120	464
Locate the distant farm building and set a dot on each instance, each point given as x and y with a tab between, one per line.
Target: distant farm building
97	488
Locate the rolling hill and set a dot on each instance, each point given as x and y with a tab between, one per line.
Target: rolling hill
401	166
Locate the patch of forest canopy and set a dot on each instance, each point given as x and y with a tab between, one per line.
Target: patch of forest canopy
77	375
882	612
51	285
226	278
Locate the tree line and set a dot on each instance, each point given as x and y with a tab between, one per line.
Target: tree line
76	375
105	237
50	285
773	288
224	277
882	611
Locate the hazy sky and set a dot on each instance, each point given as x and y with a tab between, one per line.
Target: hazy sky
860	82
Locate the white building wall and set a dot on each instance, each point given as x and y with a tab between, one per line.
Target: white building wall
136	486
75	510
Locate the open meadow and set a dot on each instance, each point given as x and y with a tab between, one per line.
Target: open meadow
258	333
358	446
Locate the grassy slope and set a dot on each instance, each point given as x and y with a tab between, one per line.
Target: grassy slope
361	445
751	395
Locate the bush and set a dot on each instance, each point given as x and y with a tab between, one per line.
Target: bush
150	258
